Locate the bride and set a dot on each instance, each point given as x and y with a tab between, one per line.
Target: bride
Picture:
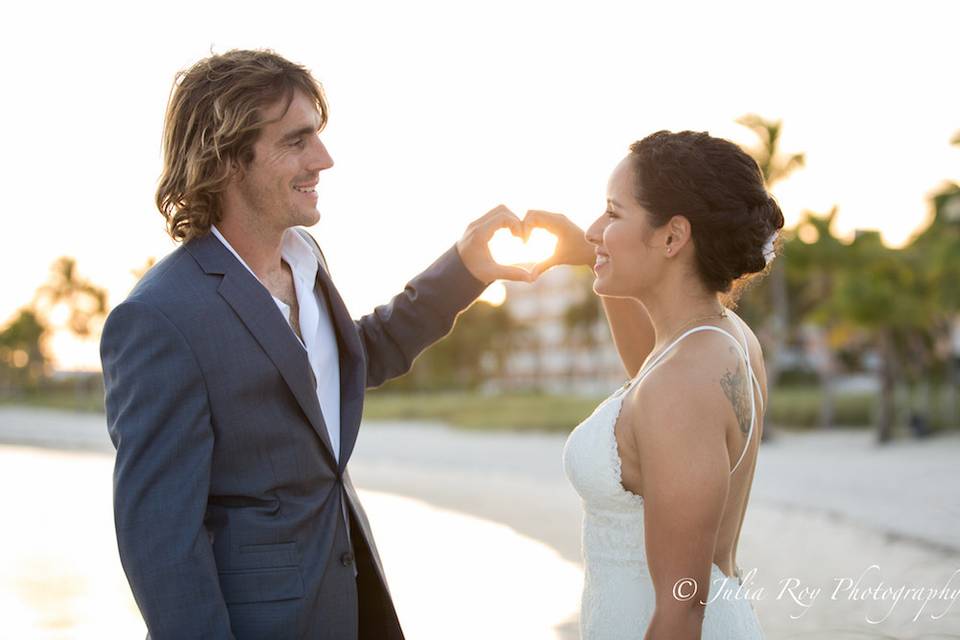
665	464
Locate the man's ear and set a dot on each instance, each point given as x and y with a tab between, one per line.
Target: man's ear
236	171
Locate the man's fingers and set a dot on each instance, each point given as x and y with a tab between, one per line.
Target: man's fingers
498	210
500	218
516	226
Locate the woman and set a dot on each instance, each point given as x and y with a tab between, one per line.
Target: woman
664	465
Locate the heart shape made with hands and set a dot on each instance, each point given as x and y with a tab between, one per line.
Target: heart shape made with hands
508	249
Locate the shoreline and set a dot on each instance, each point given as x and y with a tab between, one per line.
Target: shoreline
796	533
524	462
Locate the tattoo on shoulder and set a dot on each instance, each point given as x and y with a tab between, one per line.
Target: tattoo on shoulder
734	388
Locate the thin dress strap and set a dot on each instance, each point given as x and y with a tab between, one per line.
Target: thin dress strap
744	353
753	374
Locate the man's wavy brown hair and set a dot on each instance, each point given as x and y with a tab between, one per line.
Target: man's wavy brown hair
214	116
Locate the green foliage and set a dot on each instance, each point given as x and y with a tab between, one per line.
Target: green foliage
473	351
24	363
82	394
582	315
23	360
939	246
478	411
790	408
896	303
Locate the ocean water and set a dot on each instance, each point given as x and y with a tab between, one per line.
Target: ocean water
451	574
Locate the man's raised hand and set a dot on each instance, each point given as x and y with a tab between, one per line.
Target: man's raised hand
475	252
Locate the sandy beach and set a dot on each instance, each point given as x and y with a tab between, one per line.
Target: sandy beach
838	532
825	508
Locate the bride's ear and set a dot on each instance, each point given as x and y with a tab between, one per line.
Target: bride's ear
678	234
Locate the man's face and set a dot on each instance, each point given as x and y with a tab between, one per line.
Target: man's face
278	188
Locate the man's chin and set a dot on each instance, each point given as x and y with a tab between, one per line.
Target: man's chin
307	218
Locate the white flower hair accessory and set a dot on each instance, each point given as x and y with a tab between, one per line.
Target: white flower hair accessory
769	252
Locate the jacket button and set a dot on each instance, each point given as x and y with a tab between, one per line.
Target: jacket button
346	559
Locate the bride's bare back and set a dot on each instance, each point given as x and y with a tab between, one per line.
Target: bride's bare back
706	368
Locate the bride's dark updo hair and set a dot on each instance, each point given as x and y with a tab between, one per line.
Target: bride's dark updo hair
719	189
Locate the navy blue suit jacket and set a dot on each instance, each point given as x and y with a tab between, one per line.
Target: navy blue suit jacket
227	496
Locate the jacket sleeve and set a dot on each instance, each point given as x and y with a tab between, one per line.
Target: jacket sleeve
159	421
395	333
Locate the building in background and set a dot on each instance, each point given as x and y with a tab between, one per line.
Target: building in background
565	347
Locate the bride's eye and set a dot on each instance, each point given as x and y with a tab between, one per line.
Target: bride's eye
610	214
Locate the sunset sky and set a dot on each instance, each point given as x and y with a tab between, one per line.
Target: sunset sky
440	111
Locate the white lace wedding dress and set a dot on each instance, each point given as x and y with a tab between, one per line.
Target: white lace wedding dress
618	595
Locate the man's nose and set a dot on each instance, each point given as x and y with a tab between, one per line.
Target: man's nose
321	158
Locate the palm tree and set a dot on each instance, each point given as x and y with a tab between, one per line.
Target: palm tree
892	295
811	277
939	248
86	302
775	167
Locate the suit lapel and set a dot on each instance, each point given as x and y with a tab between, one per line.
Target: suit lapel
353	371
257	310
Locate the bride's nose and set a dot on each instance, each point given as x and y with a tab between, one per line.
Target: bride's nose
594	233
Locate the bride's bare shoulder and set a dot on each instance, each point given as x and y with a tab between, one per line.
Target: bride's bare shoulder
685	384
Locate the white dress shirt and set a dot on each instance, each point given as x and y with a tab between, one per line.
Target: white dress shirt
316	326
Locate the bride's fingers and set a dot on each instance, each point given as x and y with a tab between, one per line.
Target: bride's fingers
544	219
511	221
518	230
528	227
536	219
539	268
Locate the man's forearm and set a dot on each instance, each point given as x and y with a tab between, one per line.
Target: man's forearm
396	333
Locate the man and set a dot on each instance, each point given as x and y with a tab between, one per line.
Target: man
235	377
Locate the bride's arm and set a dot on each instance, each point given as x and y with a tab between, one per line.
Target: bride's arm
684	470
632	331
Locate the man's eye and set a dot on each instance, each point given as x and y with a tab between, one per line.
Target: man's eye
300	144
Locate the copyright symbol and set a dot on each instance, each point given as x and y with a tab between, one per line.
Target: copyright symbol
685	589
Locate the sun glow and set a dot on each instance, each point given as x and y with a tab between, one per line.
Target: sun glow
506	248
495	294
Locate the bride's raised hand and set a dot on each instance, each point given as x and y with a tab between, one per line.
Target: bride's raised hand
572	246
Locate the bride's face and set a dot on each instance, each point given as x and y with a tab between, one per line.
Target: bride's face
627	258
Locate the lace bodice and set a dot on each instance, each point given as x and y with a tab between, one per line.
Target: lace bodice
618	598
